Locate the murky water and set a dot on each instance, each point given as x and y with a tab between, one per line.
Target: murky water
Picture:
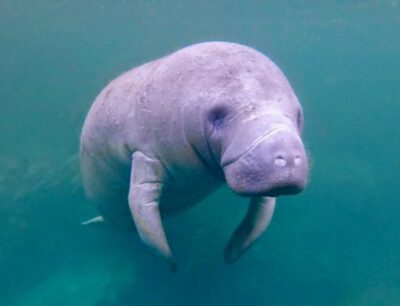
336	244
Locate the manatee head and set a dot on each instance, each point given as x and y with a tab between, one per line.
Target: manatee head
258	146
251	120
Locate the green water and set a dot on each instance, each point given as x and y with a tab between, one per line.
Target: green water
338	243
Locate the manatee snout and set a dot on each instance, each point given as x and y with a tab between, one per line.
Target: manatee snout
276	165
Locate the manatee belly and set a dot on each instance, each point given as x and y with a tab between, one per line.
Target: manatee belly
107	179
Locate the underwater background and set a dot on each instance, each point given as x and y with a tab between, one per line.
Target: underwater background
338	243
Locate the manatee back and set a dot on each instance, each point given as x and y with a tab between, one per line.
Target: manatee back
104	155
113	107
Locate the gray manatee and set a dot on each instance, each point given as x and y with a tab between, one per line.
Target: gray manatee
164	135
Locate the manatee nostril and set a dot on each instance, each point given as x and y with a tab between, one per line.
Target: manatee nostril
280	161
297	160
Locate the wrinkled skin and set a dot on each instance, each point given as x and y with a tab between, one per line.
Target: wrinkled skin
166	134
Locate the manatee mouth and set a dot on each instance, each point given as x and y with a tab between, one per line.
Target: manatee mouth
231	160
269	187
284	190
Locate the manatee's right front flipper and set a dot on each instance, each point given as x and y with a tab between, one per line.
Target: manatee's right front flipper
257	219
146	184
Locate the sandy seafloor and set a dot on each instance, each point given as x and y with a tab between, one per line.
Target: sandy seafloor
338	243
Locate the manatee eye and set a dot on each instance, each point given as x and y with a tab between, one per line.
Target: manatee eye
299	119
218	115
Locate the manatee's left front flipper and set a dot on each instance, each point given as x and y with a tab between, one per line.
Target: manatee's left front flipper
145	189
257	219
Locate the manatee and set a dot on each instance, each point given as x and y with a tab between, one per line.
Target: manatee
162	136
